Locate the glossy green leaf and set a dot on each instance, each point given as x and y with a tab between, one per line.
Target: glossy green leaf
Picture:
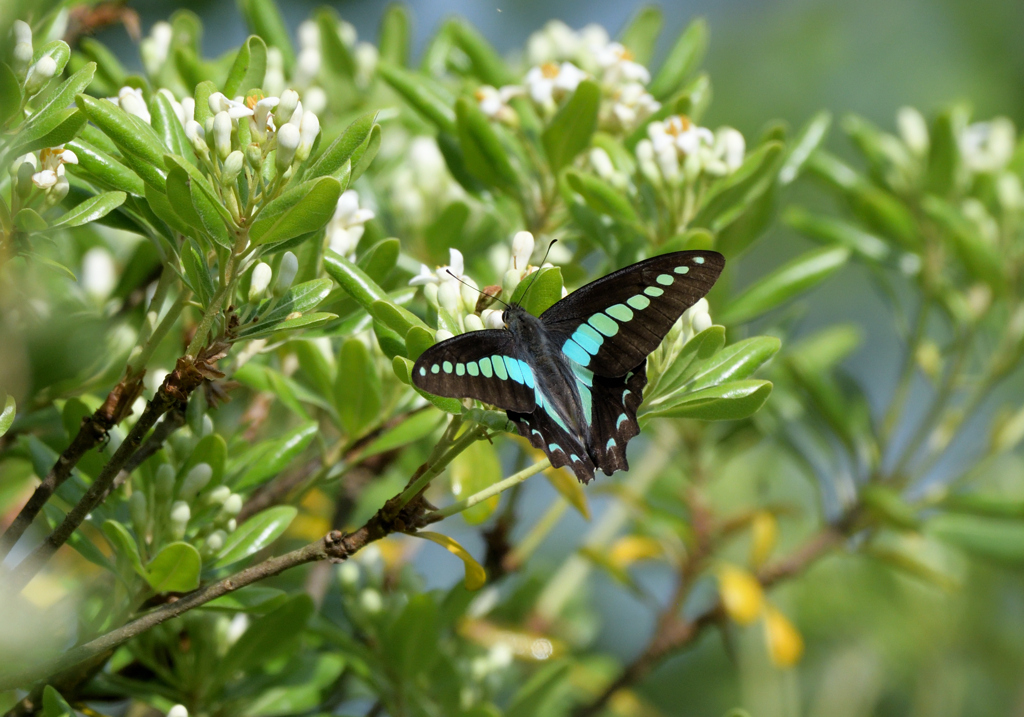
59	128
640	36
305	321
391	342
541	289
175	569
417	426
128	132
332	159
824	349
735	362
395	35
179	197
111	172
693	355
108	67
485	157
364	154
395	317
806	142
158	203
795	277
197	273
602	197
124	545
269	637
402	368
358	394
684	57
58	101
336	54
353	280
380	259
836	231
264	20
731	195
10	93
486	63
422	94
199	183
300	298
306	208
90	210
994	539
29	221
418	339
168	127
281	452
7	415
572	128
54	705
944	150
474	469
58	50
249	68
255	534
202	95
726	402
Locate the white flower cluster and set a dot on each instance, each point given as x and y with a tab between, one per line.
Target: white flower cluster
192	498
676	149
562	58
347	225
34	76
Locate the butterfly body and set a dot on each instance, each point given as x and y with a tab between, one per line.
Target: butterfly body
572	379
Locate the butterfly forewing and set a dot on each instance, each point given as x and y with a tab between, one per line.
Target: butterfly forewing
610	325
481	364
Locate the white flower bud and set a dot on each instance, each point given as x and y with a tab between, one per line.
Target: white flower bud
215	542
315	100
231	525
286	272
443	335
177	711
188	110
701	322
602	163
195	481
22	32
430	294
233	505
219	494
288	138
22	56
510	281
286	107
164	483
222	134
39	74
522	249
99	275
371	601
913	129
448	296
492	319
648	165
1010	191
469	292
131	101
180	515
473	322
197	136
233	166
348	574
59	191
261	277
308	131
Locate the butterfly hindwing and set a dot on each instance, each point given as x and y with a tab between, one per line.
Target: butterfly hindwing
481	364
610	325
615	403
563	448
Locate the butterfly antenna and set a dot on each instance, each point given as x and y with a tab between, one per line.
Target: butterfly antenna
534	274
449	271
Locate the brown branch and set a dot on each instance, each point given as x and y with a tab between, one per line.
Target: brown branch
673	633
93	430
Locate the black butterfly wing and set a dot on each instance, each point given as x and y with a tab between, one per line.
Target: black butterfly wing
480	364
613	422
610	325
548	433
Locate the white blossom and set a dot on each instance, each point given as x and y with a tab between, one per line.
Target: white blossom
472	322
261	276
288	138
234	108
52	161
988	146
631	105
346	226
130	99
274	80
39	74
179	109
619	65
22	53
456	266
492	318
366	57
308	131
261	118
523	244
177	711
443	335
913	130
222	127
494	102
315	99
549	82
287	271
155	48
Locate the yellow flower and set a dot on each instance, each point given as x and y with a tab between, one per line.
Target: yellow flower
785	646
764	530
741	593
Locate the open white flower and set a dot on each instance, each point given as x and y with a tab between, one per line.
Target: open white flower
988	146
262	119
631	105
494	102
234	108
346	227
681	134
456	265
555	41
549	82
52	161
619	65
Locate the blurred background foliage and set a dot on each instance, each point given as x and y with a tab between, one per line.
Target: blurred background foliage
896	623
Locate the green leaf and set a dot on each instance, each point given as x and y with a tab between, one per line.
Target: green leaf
124	545
410	644
202	94
836	231
108	67
735	362
255	534
446	231
982	258
353	280
417	426
332	159
179	196
485	157
693	355
571	130
994	539
269	637
640	36
390	341
784	283
485	61
395	317
264	19
306	321
112	173
364	154
306	208
418	339
807	141
249	68
63	96
541	691
169	127
726	402
824	349
602	197
300	298
54	705
7	414
198	183
129	133
213	451
732	195
542	289
59	128
888	505
422	94
358	395
394	36
336	54
474	469
175	569
684	57
29	221
280	453
90	210
160	205
197	273
944	150
10	93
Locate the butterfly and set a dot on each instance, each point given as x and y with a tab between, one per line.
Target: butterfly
572	379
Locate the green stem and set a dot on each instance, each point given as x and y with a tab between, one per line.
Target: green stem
138	363
439	464
533	539
490	491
